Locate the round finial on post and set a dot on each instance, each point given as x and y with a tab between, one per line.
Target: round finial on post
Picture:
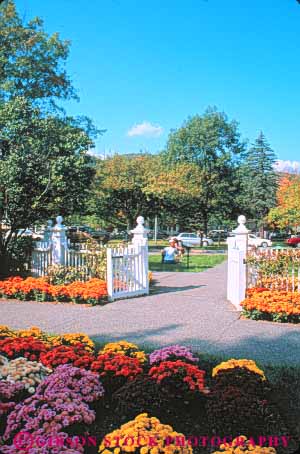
59	220
242	220
242	225
140	221
140	232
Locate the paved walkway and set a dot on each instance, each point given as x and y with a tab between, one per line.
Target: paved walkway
185	308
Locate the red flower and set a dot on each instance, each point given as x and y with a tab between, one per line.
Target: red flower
179	371
28	347
68	354
116	370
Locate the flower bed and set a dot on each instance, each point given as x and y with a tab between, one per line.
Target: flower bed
124	348
93	291
143	428
272	305
116	370
238	363
116	392
172	353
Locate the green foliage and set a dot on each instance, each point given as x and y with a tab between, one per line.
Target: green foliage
279	317
96	260
61	275
31	61
44	168
212	143
274	268
259	181
44	165
119	190
19	253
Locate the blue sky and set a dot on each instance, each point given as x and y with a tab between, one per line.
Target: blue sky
142	67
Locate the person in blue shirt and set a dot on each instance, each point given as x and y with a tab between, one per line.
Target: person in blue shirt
169	253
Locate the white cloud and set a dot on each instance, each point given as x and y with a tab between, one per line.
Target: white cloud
146	129
287	166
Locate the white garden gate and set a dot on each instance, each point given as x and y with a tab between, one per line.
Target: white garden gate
127	267
127	271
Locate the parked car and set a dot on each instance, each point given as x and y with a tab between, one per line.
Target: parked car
83	233
192	239
256	241
294	241
161	234
218	235
279	236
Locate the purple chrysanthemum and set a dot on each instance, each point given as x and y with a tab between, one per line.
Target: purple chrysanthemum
172	352
57	403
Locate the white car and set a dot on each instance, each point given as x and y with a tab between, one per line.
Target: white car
256	241
191	239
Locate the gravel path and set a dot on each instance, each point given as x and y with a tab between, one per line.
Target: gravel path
185	308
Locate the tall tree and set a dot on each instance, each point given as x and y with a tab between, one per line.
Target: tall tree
44	168
259	180
287	211
127	186
212	142
44	165
119	191
31	61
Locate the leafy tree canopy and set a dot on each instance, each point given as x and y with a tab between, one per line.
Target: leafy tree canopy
259	180
287	211
44	168
211	142
31	61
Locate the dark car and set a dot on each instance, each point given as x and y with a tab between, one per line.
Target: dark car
217	235
80	234
279	236
161	235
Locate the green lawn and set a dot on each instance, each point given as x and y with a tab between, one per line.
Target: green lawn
197	263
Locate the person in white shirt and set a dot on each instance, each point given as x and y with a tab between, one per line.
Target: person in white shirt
169	253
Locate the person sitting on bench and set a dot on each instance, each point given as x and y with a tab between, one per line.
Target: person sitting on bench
169	253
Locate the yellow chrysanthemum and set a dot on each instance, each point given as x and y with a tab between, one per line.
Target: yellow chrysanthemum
35	332
124	348
5	331
73	339
243	363
243	446
151	431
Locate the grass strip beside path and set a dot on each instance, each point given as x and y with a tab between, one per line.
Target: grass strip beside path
197	263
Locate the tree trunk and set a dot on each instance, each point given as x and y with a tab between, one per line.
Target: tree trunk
205	224
4	264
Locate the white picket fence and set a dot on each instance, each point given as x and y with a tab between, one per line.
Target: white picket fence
127	267
127	271
42	258
284	269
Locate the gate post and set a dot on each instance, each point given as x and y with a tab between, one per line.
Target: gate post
140	243
59	242
109	274
140	233
237	269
